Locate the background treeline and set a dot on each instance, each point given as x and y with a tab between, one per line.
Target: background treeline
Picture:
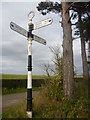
20	81
9	84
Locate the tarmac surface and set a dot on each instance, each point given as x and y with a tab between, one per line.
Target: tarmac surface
14	99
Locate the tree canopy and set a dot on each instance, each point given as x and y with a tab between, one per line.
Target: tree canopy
82	8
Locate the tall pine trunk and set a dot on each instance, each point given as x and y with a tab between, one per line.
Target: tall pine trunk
83	51
89	58
68	74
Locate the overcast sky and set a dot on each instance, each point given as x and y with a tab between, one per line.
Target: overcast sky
14	46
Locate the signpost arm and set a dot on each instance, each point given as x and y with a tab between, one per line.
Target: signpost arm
29	81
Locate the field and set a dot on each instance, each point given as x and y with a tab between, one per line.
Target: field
12	83
20	76
17	83
24	76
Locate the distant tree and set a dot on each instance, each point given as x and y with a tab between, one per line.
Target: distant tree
82	26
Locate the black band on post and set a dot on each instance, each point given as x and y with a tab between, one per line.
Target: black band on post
29	34
31	27
29	99
29	63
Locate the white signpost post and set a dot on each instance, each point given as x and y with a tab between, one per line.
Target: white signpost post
30	37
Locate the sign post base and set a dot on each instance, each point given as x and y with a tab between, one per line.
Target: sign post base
29	114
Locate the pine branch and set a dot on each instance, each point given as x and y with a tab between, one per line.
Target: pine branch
70	17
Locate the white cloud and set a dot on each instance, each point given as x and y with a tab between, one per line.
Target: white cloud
15	45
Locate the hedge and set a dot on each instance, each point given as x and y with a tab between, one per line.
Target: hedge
21	83
9	84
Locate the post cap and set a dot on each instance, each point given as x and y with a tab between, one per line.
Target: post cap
31	15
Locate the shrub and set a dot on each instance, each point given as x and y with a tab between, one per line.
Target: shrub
51	102
54	88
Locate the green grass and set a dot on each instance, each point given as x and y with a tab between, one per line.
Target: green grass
43	107
18	111
78	76
13	91
20	76
18	90
13	76
75	108
23	76
36	88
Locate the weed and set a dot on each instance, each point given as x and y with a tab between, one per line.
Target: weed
18	111
48	106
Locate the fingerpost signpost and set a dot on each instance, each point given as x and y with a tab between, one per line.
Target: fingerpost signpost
30	37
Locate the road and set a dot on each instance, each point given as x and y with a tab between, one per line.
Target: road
13	99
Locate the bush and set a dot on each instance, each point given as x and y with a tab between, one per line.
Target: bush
54	88
51	102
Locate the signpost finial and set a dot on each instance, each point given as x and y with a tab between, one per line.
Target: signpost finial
31	15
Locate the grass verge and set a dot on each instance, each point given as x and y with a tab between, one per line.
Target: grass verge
12	91
18	90
77	107
44	107
18	111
